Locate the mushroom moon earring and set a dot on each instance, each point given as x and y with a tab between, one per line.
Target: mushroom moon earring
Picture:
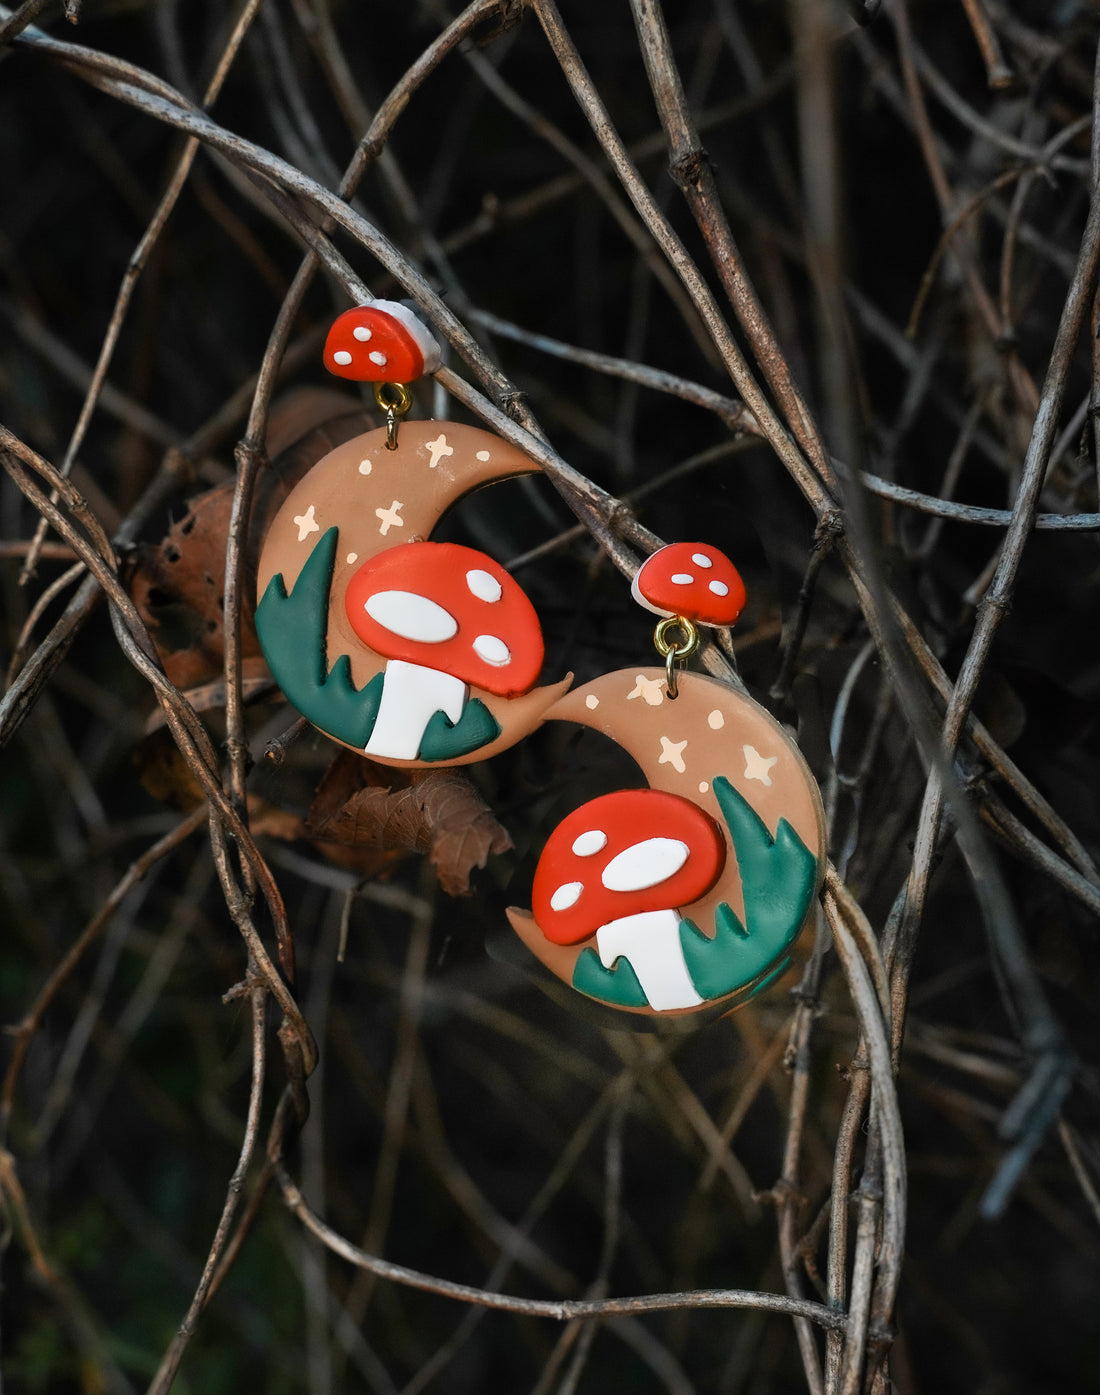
413	652
692	891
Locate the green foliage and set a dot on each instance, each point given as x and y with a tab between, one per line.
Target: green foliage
618	985
778	876
293	630
444	739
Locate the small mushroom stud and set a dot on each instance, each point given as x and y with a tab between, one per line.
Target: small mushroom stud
385	344
691	580
688	584
379	343
444	616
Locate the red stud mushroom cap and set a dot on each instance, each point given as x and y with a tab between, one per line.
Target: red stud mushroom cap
449	608
382	342
619	855
694	580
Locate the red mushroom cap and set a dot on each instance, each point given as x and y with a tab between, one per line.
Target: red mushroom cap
619	855
382	342
694	580
450	608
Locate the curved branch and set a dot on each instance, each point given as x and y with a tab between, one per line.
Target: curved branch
560	1310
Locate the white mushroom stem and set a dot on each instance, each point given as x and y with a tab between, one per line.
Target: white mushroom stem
651	941
411	696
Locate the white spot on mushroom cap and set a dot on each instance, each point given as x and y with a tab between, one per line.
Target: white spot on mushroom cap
411	616
591	842
484	585
364	467
482	455
362	333
352	557
645	864
591	702
493	650
715	720
376	357
682	579
566	896
342	357
719	588
701	559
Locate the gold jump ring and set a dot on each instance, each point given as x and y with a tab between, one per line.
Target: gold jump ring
675	653
394	399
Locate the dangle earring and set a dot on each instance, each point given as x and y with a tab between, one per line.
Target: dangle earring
413	652
692	891
662	900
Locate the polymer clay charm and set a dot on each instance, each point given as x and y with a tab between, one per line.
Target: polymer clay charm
690	892
413	652
382	342
690	581
688	584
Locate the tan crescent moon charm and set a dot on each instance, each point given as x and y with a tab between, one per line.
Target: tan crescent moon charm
416	653
618	911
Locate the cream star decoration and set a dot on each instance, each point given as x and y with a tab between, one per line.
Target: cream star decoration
649	689
307	524
757	767
438	449
672	753
390	518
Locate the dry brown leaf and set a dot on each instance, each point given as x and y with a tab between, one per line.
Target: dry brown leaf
439	812
347	774
275	822
164	772
167	777
368	863
179	584
464	829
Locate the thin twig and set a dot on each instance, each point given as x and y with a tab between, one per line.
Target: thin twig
560	1310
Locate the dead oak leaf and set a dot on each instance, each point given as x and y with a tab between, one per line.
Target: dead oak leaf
464	829
178	585
166	776
439	812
